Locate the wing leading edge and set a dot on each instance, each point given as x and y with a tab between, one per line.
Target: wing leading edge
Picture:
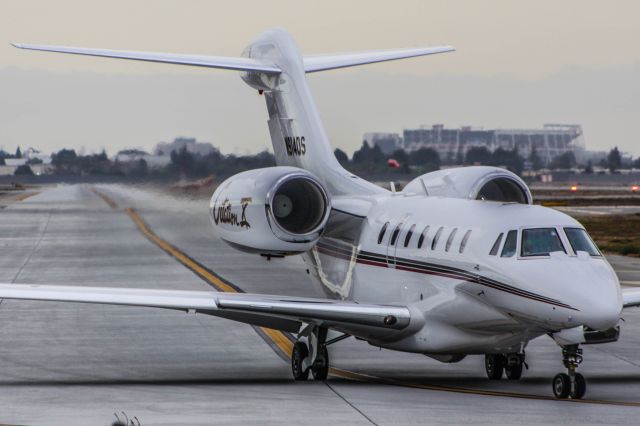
280	312
630	297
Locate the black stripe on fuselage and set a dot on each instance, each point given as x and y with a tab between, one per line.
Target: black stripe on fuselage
410	265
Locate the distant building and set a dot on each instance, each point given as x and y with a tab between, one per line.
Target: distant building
549	142
193	146
387	142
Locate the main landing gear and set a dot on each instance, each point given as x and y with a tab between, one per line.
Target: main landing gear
571	385
509	364
310	353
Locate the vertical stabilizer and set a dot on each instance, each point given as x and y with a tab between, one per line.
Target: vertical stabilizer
297	134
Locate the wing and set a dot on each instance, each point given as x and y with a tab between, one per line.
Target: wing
313	63
630	297
280	312
240	64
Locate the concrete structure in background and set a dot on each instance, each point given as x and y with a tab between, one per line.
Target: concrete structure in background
549	142
193	146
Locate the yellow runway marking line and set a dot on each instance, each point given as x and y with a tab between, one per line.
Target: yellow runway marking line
281	340
105	198
276	336
179	255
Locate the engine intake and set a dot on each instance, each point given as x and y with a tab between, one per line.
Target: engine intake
273	211
298	204
475	183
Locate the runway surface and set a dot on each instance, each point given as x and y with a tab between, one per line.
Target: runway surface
78	364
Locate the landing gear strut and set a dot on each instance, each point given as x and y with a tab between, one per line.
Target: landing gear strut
572	384
310	354
511	364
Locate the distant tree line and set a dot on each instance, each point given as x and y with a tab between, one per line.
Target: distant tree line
183	164
371	160
365	161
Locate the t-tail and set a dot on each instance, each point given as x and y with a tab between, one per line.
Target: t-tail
273	65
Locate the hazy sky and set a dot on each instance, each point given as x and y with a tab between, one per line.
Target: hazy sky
518	64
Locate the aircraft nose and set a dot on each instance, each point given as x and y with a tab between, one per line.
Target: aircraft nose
602	301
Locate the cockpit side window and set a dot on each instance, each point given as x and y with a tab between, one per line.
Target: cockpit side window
382	231
510	243
540	242
496	245
436	237
423	236
407	239
580	241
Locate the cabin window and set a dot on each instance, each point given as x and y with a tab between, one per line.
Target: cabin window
540	242
394	236
434	243
409	234
510	243
452	235
463	243
382	231
423	236
496	245
580	241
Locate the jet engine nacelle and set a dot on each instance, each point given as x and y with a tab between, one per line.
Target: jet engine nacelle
272	211
475	183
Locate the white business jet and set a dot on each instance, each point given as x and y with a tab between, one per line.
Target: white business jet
459	262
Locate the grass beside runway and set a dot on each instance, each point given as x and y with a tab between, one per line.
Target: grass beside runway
615	233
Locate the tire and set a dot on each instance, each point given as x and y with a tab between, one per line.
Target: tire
494	366
320	368
300	352
514	372
561	386
580	387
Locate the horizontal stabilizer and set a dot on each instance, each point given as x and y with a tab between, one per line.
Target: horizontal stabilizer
239	64
313	63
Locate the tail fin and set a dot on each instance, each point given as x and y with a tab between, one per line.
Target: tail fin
297	134
273	65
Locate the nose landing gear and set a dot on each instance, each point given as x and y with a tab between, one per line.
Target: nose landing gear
571	385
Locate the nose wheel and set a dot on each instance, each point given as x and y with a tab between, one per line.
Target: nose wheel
571	384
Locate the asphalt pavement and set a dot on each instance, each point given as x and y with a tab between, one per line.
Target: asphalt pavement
79	364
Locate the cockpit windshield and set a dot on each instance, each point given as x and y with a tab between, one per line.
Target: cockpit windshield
540	242
580	241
